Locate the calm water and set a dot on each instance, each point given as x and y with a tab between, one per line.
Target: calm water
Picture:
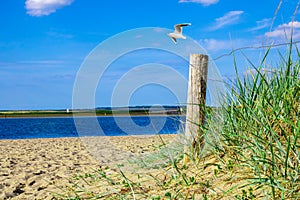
25	128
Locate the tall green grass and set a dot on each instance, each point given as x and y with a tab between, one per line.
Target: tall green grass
260	129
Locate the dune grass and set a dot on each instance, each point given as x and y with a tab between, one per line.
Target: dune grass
260	129
252	149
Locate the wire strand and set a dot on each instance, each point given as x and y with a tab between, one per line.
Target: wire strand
254	47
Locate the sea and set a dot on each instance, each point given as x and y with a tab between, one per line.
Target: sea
61	127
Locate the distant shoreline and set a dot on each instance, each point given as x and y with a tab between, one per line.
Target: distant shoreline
120	111
45	115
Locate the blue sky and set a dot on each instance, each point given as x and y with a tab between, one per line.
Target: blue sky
44	42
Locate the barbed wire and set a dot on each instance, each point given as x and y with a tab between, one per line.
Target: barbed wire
254	47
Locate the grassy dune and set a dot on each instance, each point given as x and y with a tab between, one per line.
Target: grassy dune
252	149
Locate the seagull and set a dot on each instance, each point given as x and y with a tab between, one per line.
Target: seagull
178	32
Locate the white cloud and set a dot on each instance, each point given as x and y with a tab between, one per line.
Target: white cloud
294	24
214	45
203	2
253	72
283	31
229	18
44	7
262	24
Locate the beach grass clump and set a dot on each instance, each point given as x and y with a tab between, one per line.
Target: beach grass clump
260	129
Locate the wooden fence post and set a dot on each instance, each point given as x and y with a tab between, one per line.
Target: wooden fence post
195	115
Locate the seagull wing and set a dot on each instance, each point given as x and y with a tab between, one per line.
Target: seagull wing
174	40
178	27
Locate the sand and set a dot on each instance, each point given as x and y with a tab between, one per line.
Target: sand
40	168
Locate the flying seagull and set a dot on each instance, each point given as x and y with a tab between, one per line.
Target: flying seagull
178	32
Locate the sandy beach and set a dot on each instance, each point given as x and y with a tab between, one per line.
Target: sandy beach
39	168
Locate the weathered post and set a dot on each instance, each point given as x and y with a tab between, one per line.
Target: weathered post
195	115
